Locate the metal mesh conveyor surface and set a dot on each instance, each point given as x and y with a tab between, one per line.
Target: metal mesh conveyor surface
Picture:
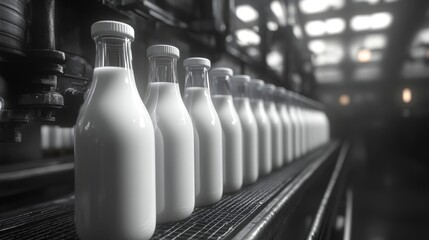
55	220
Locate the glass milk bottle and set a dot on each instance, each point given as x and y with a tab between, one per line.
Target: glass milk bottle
276	126
287	124
207	132
114	146
264	126
316	134
303	122
296	123
174	135
232	133
239	90
309	123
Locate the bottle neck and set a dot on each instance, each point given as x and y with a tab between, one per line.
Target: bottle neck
255	93
113	52
240	90
268	95
220	85
163	69
197	77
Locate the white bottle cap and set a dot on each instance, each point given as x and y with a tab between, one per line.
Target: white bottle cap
112	28
221	71
162	50
196	62
240	78
257	82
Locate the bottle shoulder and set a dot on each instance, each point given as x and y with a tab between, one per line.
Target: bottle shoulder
131	115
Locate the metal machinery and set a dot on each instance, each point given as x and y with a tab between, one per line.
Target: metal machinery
46	56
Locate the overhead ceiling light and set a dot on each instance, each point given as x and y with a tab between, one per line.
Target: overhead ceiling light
422	37
372	2
367	48
328	26
315	28
374	21
336	4
381	20
317	46
313	6
328	58
364	55
375	41
367	72
335	25
246	13
253	52
275	60
407	95
327	52
279	11
272	26
297	31
360	22
328	75
247	37
417	48
318	6
255	28
344	100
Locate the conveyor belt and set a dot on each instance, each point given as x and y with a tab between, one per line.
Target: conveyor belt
55	220
317	229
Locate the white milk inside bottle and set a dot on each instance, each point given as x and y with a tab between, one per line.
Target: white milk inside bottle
207	132
287	124
296	124
312	131
239	90
232	134
276	126
114	146
310	124
326	128
304	123
264	126
175	194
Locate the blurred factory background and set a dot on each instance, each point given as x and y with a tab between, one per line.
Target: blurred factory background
367	61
